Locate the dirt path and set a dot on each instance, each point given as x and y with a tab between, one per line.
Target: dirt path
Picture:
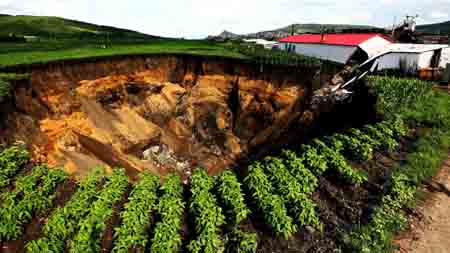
430	223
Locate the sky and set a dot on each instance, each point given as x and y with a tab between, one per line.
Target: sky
200	18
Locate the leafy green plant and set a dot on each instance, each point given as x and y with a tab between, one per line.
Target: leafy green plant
19	207
92	226
63	223
239	241
290	189
11	159
167	236
208	215
313	161
5	89
229	191
336	162
135	217
353	148
272	205
304	176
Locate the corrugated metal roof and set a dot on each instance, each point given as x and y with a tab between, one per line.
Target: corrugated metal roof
413	48
332	39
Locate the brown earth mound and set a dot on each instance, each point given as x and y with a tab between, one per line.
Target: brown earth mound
159	113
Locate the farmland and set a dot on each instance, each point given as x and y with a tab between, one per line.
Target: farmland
192	146
270	204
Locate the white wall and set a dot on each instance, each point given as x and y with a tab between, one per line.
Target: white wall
425	59
392	61
445	57
334	53
374	46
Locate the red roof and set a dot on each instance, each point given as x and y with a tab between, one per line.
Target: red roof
332	39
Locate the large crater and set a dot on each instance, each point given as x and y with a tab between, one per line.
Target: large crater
162	113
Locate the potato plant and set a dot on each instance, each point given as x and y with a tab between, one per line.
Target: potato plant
353	148
92	226
229	191
272	205
33	199
289	188
312	160
208	215
170	208
11	159
304	176
63	223
135	218
239	241
336	162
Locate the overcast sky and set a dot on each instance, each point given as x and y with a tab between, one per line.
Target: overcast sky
199	18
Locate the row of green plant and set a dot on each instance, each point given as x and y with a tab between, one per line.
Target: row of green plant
63	222
91	228
299	204
231	197
270	204
414	102
389	217
166	235
230	194
34	193
11	161
208	214
396	94
132	233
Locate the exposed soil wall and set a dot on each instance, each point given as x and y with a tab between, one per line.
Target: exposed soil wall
163	113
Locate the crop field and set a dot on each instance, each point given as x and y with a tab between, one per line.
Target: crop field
346	191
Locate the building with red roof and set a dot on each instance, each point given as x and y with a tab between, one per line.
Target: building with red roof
339	48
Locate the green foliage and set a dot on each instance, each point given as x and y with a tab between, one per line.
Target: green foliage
92	226
353	148
313	161
272	205
167	236
291	191
63	223
239	241
11	160
336	162
386	142
295	165
5	89
208	215
230	193
135	217
29	197
397	94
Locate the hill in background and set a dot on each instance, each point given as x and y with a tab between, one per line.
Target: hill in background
438	28
55	27
299	29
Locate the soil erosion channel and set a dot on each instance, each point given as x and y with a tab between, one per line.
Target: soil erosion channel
161	113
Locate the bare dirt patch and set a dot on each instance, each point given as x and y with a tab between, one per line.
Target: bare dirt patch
429	229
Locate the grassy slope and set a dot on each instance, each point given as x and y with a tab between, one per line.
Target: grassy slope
61	28
27	53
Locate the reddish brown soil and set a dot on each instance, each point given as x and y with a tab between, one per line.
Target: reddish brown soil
114	221
429	223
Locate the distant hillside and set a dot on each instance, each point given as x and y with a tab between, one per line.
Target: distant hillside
61	28
438	28
303	28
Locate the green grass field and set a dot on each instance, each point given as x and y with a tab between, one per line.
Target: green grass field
41	52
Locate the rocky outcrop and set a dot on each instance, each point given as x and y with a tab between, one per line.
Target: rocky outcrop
205	112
